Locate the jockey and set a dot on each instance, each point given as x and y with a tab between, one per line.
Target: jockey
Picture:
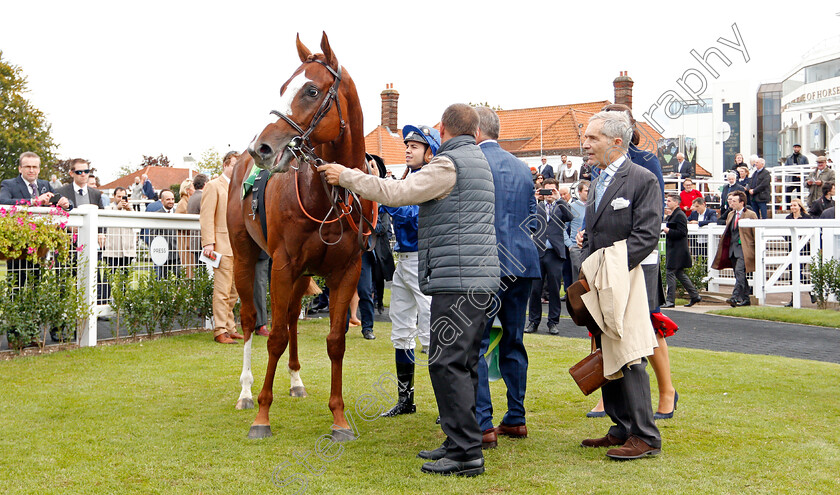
410	309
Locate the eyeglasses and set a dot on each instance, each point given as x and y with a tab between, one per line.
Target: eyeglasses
81	172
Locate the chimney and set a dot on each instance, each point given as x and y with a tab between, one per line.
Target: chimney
623	89
389	107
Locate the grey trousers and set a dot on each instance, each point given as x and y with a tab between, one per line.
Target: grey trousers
741	292
260	287
671	277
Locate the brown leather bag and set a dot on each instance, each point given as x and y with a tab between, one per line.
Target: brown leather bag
589	373
577	310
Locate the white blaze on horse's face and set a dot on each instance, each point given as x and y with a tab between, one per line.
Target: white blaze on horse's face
292	90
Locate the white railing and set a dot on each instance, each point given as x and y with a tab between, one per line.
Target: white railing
783	251
93	228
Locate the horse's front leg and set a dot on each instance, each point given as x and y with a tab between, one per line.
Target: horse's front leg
282	281
296	388
342	287
244	263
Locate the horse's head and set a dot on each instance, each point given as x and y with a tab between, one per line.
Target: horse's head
310	111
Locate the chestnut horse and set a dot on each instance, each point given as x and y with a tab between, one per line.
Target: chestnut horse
308	223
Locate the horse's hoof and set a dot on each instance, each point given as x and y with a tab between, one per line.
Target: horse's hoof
298	392
245	404
259	431
342	435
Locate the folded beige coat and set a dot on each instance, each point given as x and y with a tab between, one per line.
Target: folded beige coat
617	301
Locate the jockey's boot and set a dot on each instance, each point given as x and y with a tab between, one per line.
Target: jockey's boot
405	389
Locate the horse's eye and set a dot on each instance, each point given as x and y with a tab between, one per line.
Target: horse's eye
312	92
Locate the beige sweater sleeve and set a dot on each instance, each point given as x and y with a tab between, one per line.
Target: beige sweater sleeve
434	181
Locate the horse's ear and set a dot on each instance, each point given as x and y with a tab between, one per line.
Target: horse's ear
329	56
303	52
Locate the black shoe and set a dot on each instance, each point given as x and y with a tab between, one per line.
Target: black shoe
745	302
437	421
789	304
813	298
447	467
553	330
667	305
380	308
433	455
368	334
732	302
531	327
562	298
692	302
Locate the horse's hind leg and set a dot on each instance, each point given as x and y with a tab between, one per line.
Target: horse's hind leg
282	281
296	388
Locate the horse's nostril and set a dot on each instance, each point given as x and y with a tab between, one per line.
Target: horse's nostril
265	150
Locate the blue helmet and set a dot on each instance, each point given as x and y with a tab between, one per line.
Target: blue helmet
422	134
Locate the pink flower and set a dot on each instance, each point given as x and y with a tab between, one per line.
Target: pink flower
75	237
62	224
80	248
30	250
33	226
2	212
20	221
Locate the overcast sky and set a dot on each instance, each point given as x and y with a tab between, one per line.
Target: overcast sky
121	79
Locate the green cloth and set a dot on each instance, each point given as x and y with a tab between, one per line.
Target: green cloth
249	182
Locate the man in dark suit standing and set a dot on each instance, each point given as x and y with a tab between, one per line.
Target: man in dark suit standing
760	189
27	186
552	215
686	169
519	264
624	204
730	187
546	170
736	248
78	191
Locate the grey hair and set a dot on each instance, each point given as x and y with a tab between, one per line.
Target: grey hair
488	122
732	173
760	160
616	125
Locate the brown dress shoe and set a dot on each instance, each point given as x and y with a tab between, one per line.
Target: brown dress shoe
518	431
262	331
633	448
236	335
224	338
607	441
489	439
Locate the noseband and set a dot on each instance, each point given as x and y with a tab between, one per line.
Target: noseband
301	146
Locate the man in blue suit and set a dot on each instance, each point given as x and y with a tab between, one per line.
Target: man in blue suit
27	186
519	262
546	170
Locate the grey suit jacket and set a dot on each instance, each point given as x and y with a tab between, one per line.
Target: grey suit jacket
69	192
639	223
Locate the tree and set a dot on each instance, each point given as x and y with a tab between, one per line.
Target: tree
155	161
22	126
210	163
485	104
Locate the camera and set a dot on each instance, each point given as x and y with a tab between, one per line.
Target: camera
546	192
55	199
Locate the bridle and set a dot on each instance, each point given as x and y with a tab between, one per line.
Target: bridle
301	146
303	150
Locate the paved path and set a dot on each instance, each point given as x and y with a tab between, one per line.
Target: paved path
724	333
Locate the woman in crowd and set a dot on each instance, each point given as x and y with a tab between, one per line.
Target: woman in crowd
744	180
186	249
798	211
739	161
538	182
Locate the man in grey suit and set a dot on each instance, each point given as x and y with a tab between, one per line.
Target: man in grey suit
78	191
610	217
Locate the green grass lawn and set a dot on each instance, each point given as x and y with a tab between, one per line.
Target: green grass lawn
158	417
804	316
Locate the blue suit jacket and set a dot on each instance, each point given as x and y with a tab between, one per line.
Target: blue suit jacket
650	162
709	216
14	190
515	211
